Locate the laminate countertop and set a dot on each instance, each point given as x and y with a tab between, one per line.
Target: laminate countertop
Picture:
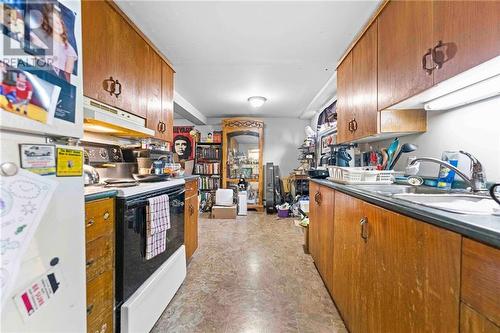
483	228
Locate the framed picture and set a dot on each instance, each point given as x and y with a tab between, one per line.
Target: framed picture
326	141
183	142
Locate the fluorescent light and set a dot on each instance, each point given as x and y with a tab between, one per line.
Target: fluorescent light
470	94
257	101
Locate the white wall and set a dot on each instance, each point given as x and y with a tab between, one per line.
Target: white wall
474	128
282	137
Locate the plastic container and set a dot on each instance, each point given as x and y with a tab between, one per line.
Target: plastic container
360	175
283	213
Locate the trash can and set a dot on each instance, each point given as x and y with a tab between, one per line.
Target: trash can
283	212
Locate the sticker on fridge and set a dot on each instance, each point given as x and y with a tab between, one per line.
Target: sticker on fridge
24	198
69	162
38	293
40	159
26	95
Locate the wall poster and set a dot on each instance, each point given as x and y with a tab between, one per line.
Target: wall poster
184	142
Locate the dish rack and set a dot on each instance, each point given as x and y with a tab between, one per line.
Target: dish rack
360	175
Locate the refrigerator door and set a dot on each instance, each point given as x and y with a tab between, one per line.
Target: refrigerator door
73	90
61	235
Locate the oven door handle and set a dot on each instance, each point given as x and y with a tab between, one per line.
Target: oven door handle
144	202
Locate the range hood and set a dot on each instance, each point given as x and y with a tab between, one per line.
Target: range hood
104	119
478	83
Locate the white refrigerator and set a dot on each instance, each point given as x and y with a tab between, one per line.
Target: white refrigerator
59	240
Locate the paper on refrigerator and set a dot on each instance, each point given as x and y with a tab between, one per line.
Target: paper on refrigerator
24	198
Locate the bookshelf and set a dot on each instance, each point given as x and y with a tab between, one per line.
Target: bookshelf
208	166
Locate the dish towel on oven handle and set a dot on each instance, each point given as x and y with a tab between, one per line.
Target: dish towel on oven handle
157	224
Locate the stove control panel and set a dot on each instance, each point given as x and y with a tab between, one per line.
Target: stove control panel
103	154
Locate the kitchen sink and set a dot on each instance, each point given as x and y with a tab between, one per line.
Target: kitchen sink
455	203
455	200
392	189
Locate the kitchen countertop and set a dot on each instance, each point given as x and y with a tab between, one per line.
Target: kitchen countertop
483	228
98	192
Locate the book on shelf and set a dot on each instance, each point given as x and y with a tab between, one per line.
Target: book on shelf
208	153
212	168
208	183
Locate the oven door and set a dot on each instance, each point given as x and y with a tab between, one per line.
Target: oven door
132	269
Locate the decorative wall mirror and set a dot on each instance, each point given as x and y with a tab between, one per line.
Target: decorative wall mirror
243	143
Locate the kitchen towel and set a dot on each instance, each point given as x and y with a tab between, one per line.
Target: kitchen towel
157	224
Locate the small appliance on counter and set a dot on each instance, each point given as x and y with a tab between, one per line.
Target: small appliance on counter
318	173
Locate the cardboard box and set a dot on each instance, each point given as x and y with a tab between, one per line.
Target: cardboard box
224	212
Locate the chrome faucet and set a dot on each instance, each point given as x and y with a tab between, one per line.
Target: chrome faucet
477	181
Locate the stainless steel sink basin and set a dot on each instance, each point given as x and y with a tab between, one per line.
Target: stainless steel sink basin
392	189
455	203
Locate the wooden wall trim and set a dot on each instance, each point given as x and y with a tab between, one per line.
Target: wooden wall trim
362	31
136	28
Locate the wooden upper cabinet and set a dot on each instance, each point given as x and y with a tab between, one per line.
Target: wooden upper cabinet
344	100
167	100
364	83
113	53
404	38
469	32
99	26
154	107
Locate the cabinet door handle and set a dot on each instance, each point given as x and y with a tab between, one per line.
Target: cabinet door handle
89	263
90	222
317	198
119	86
159	126
349	126
424	62
364	228
90	308
163	127
109	85
437	58
354	125
106	215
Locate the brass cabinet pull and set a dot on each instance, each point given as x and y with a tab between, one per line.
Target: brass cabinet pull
354	125
90	308
317	198
424	62
109	85
437	58
89	263
90	222
163	127
364	228
119	86
106	215
159	126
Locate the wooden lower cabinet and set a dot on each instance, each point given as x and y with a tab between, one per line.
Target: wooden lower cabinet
100	244
481	279
322	215
350	259
191	218
392	273
473	322
414	273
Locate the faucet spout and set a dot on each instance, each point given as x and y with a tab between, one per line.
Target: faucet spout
477	182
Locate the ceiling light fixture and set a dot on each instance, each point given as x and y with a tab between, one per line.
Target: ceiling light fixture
257	101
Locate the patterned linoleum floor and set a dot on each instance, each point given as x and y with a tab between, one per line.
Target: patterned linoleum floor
251	275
